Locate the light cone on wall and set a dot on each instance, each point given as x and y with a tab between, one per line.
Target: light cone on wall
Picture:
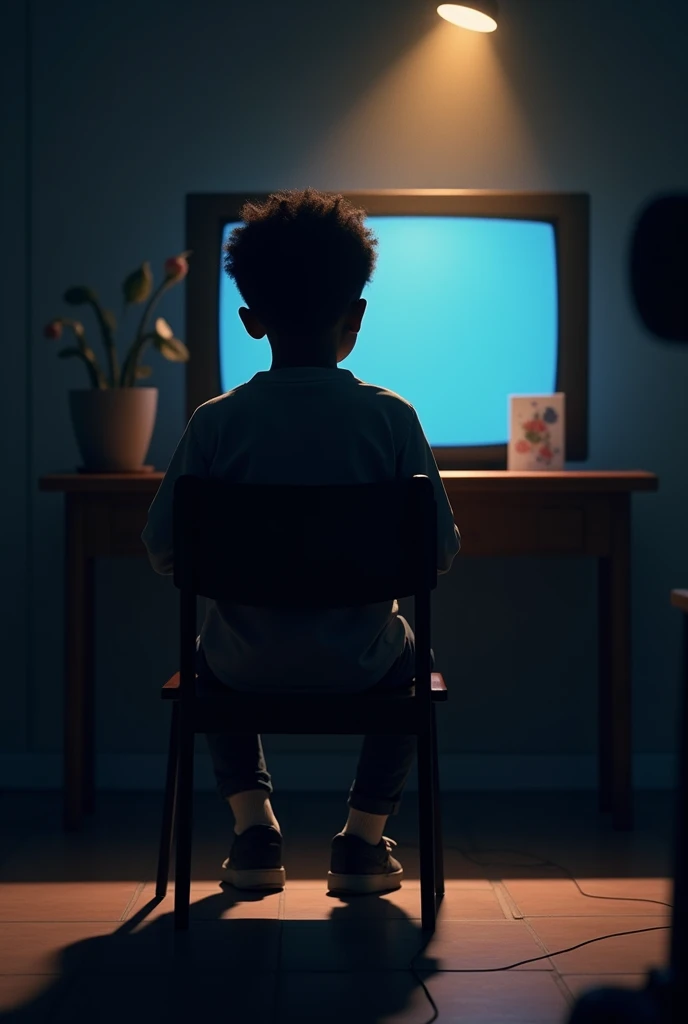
476	15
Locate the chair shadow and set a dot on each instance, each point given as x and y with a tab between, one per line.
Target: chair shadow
241	968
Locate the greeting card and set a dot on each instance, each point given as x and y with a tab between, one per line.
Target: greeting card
536	432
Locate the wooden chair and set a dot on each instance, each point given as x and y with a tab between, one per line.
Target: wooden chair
313	548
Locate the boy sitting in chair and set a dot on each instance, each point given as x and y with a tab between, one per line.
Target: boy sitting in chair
301	261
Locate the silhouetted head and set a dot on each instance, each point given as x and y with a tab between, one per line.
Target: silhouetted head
301	260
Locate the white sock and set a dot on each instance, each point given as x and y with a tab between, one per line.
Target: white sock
366	826
252	807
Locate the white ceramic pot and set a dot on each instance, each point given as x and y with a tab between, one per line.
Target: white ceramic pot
113	428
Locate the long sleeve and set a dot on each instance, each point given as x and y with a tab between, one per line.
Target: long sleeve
416	458
189	459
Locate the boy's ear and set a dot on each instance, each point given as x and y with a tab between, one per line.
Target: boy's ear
354	316
252	324
352	325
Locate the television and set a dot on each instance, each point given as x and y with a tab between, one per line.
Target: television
476	295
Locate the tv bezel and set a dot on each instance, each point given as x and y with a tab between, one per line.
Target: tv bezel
569	213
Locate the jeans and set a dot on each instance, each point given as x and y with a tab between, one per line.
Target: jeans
384	762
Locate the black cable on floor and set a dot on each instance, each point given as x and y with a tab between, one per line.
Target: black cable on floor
549	864
544	956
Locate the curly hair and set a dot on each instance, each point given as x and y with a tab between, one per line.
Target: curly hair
300	259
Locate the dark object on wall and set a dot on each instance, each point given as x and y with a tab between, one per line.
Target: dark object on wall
659	267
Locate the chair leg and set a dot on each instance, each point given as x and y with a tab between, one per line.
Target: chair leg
428	907
182	881
167	829
437	808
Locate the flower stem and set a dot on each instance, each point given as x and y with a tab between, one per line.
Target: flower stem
128	378
109	342
86	354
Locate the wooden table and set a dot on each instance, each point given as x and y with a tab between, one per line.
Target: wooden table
499	513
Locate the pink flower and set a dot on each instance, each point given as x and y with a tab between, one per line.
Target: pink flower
522	447
546	452
53	330
176	268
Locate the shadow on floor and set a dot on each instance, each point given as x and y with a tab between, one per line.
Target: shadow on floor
239	970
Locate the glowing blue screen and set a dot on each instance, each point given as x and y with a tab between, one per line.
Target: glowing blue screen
462	312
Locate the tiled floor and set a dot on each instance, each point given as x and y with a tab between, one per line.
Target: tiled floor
81	938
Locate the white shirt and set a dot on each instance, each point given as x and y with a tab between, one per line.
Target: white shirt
304	426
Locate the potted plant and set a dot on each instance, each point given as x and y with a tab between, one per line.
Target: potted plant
113	419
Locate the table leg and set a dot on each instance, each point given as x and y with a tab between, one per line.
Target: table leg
604	687
78	678
615	663
88	641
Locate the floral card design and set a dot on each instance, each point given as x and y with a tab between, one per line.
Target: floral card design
536	432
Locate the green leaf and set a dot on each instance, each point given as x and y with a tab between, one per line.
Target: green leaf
138	285
79	296
163	329
171	348
110	319
143	371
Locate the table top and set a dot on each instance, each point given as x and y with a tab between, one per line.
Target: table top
467	481
679	599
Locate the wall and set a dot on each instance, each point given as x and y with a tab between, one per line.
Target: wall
15	379
129	107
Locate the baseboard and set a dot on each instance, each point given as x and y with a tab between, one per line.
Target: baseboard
295	772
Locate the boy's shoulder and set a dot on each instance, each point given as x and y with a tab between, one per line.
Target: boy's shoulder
380	391
361	391
385	398
216	406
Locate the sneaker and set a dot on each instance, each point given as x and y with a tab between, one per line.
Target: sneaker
255	859
359	867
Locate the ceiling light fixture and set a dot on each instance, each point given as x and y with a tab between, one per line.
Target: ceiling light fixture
476	15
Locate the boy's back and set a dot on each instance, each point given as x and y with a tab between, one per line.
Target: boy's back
306	426
301	261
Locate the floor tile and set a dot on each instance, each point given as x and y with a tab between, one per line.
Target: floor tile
346	944
559	897
220	946
209	902
65	901
629	954
47	947
32	995
579	984
174	999
151	947
387	997
303	903
486	944
631	888
515	997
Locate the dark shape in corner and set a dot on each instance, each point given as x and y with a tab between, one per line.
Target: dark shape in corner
659	267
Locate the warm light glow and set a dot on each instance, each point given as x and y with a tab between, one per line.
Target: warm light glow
467	17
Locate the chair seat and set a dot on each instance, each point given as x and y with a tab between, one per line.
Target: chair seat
170	691
292	713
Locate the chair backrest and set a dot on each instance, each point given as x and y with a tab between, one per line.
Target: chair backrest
311	547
